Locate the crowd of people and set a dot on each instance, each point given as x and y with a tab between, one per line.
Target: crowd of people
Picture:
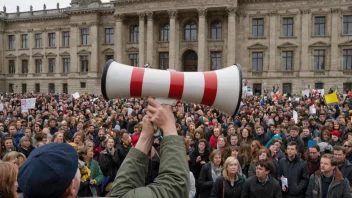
261	151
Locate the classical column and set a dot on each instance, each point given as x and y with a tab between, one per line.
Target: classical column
74	41
94	38
118	45
231	36
272	44
58	65
172	39
305	34
335	19
2	47
150	40
202	32
141	41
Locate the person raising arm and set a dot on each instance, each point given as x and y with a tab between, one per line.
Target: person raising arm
173	177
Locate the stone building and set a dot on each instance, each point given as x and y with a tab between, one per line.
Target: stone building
296	44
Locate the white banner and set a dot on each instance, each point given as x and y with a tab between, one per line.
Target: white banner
305	92
27	104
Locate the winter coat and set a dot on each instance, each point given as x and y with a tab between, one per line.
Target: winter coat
24	151
313	166
253	188
339	187
121	153
205	181
296	172
108	164
95	174
221	185
196	167
346	170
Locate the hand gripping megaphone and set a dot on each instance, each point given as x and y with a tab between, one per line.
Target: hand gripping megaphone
220	89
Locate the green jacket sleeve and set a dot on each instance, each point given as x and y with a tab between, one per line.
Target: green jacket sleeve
173	178
98	175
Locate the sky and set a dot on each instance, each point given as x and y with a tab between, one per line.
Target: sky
37	4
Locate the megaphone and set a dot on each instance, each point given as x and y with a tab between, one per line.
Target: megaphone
220	89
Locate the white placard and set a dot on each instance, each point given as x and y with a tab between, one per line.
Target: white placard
312	110
1	106
75	95
295	116
31	103
305	92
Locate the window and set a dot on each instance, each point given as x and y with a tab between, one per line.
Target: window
257	88
216	30
347	59
287	27
83	85
11	41
66	62
24	88
164	32
38	66
319	26
109	36
347	24
287	88
319	59
51	88
37	88
84	35
258	27
24	41
191	31
163	60
108	57
51	39
65	88
134	59
215	60
51	65
257	61
319	85
38	40
11	87
134	34
347	87
24	66
66	39
84	63
12	69
287	60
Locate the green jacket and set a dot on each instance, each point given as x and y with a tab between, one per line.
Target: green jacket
339	187
172	181
95	174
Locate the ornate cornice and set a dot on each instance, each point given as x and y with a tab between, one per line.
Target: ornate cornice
231	10
30	30
73	24
241	14
141	15
172	14
305	11
335	10
272	12
202	12
43	30
149	15
119	17
94	23
17	31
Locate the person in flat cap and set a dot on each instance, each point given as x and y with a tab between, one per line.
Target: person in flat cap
50	171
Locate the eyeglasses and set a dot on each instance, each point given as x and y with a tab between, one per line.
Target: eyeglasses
347	146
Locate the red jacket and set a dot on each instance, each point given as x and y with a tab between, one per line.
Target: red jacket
135	138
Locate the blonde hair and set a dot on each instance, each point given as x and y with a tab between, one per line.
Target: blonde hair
8	177
228	161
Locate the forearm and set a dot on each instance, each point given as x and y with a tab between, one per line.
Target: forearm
144	144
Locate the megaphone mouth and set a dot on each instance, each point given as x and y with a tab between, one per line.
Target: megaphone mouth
241	86
103	79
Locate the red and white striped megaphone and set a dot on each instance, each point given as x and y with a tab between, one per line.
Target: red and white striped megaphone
221	89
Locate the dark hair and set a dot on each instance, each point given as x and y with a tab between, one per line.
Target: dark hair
295	128
316	147
292	143
267	164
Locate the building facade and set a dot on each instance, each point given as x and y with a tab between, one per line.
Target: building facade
295	44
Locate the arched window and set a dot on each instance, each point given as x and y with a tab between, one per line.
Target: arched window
216	30
134	34
191	31
164	32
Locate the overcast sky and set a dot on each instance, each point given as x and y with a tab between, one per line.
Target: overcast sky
37	4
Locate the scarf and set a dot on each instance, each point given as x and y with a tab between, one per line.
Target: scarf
215	172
